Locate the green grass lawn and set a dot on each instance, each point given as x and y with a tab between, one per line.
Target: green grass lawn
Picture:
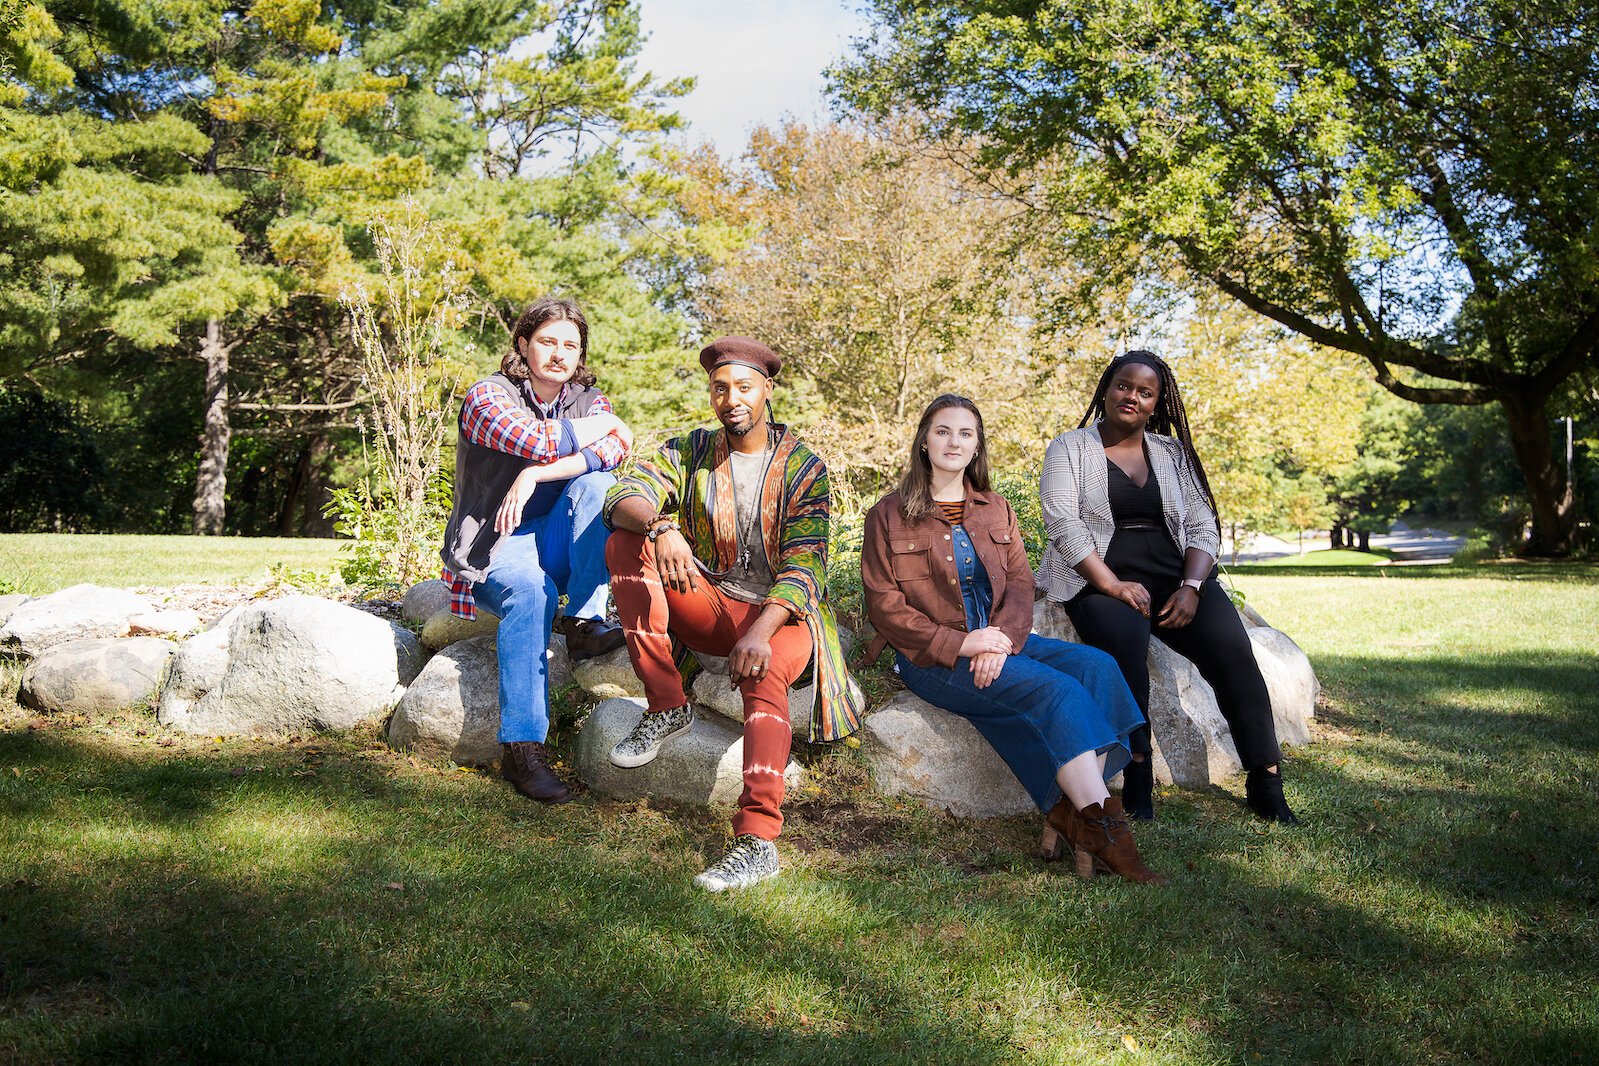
325	899
43	562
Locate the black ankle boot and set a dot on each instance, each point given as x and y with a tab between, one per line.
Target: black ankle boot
1138	789
526	765
1263	791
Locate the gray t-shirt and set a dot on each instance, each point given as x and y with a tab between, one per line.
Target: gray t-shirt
752	581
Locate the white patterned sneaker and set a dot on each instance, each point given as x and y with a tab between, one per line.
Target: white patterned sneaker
748	860
654	729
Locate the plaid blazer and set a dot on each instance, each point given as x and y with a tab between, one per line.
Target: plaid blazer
1075	496
691	477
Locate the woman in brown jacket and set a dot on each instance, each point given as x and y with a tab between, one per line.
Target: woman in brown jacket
948	585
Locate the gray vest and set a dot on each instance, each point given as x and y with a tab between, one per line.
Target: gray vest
482	478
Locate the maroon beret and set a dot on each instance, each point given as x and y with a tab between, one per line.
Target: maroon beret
752	353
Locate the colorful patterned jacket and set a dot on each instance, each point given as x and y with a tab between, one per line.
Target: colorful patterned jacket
691	477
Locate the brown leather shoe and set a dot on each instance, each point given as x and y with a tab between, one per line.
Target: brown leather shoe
589	637
526	765
1103	841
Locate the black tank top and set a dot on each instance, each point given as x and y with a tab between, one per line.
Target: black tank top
1132	506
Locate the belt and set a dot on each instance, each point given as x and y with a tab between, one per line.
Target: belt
1140	526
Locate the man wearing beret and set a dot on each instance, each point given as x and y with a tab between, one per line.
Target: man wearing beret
720	546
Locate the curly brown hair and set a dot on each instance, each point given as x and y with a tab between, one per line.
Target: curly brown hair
550	309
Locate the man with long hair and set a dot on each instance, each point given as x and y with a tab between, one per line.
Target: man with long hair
535	444
720	546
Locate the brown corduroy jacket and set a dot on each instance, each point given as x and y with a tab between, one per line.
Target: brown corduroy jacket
913	594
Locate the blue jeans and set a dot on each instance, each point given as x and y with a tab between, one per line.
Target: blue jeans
559	547
1051	702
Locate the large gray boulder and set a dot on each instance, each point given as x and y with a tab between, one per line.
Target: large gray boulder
82	612
96	676
300	664
197	668
424	600
452	709
443	628
609	676
703	766
10	603
1193	746
1290	680
939	758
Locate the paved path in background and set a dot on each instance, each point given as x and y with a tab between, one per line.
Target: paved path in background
1410	547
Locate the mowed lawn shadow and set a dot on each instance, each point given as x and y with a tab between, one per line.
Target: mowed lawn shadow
396	930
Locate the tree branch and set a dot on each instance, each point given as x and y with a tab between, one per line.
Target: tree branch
287	407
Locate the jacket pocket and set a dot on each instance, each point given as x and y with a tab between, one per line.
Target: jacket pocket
909	557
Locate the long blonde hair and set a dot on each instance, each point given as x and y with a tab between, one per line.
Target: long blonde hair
916	484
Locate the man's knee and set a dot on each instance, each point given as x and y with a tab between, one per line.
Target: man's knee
523	586
588	490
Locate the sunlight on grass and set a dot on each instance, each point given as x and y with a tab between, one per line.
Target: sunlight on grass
37	563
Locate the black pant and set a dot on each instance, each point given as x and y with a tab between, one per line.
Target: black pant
1215	642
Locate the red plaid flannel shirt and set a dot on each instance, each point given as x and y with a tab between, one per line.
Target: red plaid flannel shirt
492	418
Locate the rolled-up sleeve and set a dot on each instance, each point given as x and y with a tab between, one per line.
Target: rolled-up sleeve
1060	496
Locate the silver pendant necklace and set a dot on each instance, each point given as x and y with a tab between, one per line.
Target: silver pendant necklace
746	529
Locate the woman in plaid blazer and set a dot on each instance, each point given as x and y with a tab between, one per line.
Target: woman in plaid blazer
1133	539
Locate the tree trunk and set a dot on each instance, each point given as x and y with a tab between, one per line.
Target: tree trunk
1554	518
1335	537
293	490
313	523
210	487
1365	541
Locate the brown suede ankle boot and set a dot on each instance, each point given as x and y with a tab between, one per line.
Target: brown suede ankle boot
1103	840
526	765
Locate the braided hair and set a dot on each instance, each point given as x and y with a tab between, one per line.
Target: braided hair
1170	417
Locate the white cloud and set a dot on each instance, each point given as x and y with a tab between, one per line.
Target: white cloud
755	61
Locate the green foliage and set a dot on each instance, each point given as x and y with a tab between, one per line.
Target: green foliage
377	551
1020	488
170	163
1479	547
1412	183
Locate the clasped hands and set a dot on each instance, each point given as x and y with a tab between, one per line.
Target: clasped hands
987	648
1178	611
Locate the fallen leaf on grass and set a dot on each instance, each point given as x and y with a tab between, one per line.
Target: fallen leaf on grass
395	886
1130	1044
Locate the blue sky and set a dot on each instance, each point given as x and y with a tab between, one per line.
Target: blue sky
756	60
